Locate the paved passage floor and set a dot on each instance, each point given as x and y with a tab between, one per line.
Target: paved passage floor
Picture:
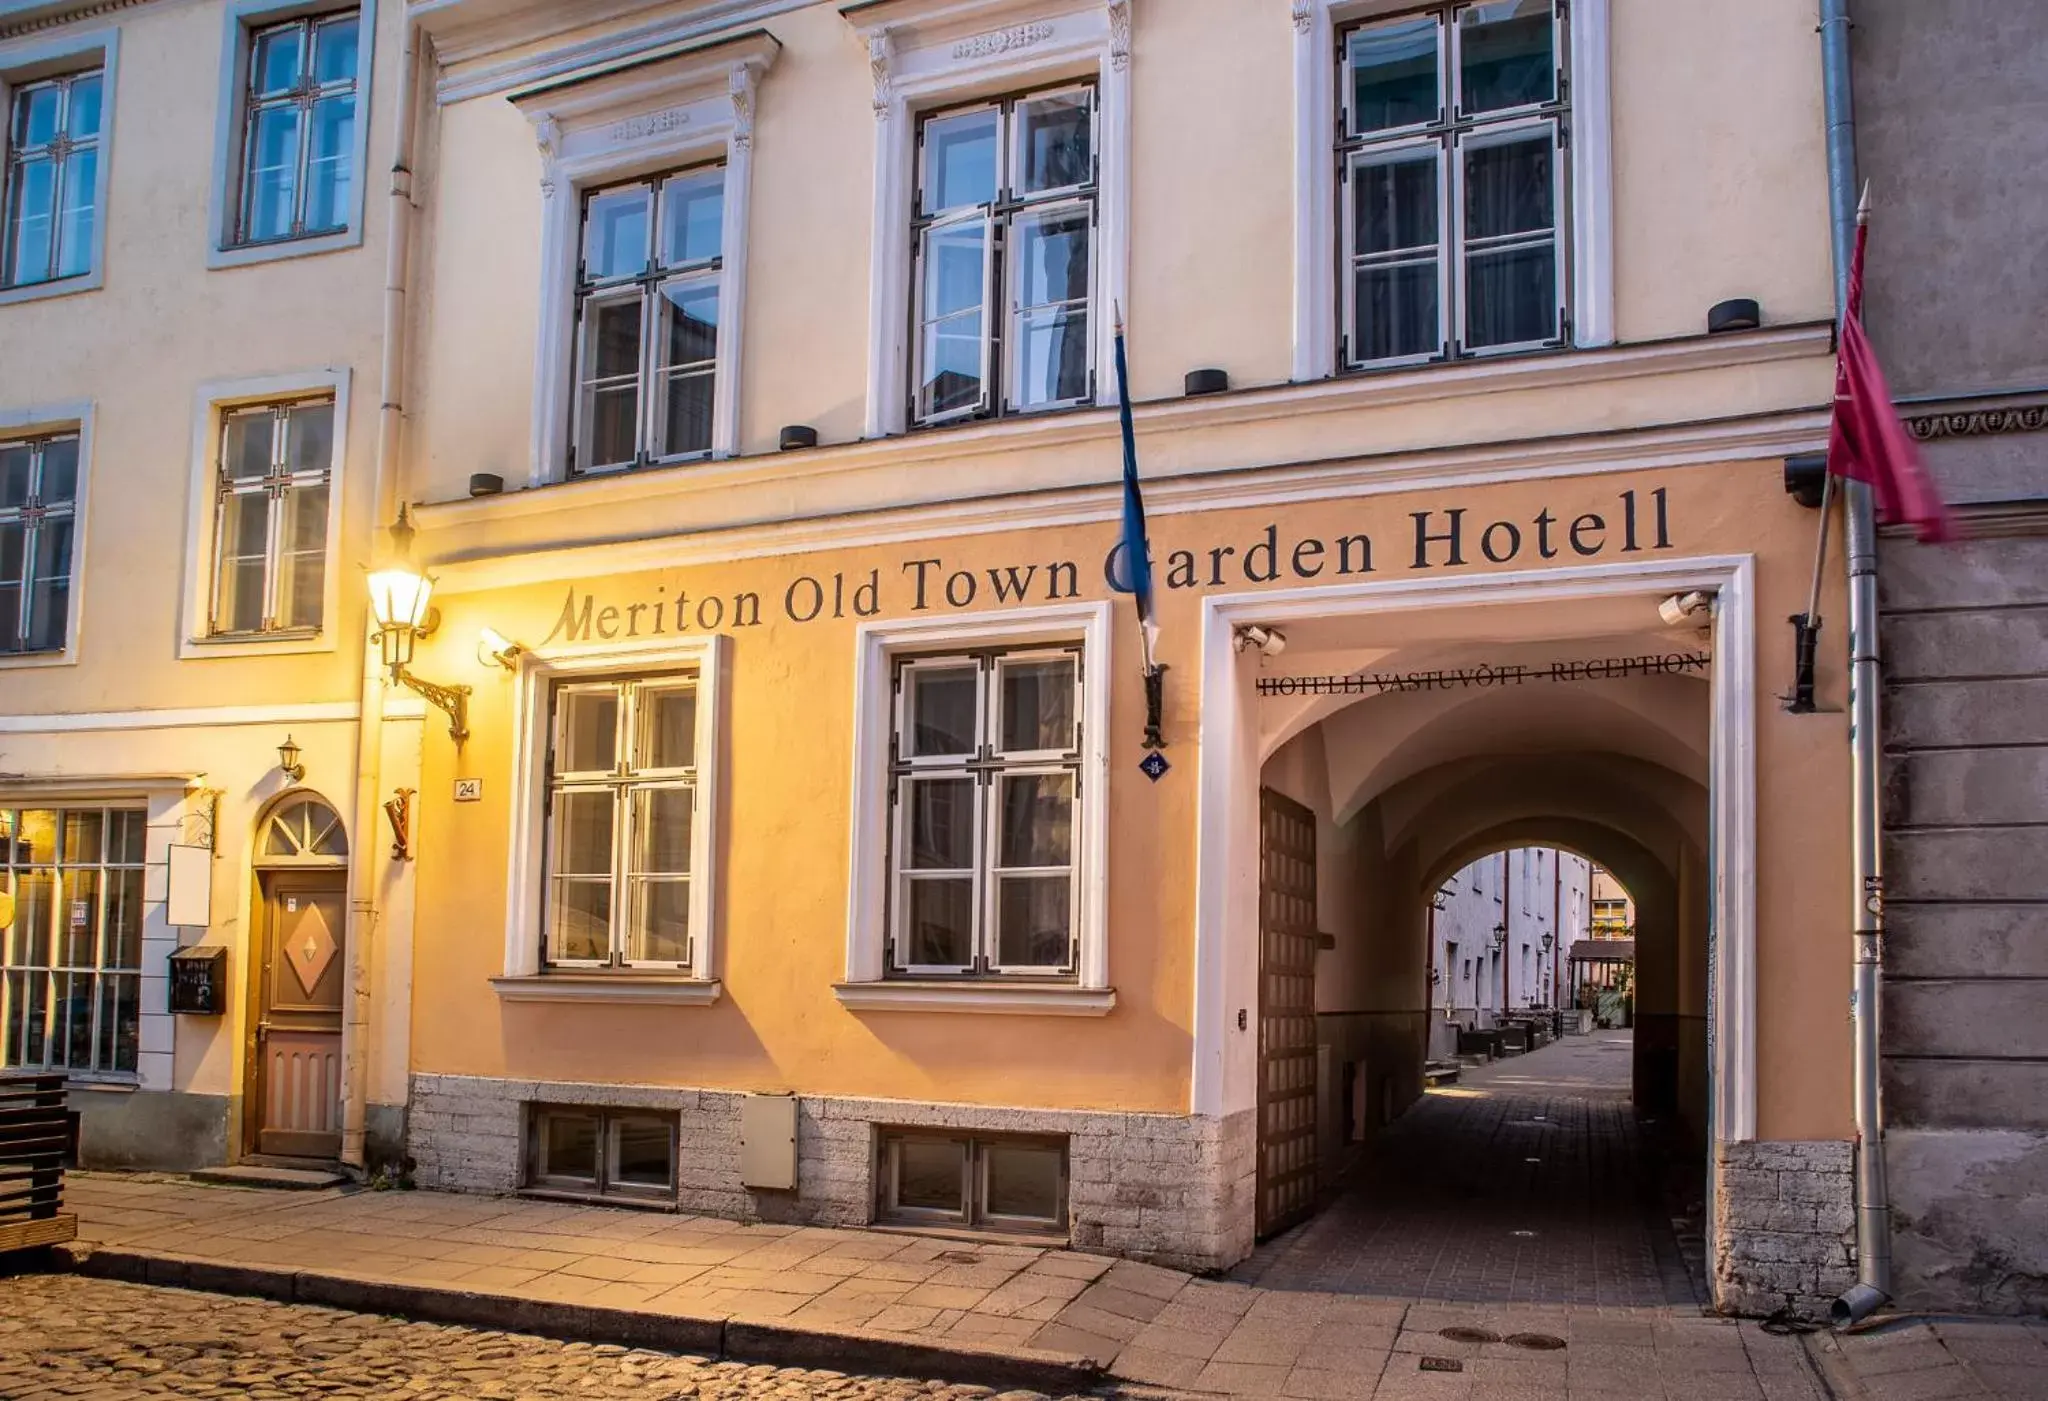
1529	1181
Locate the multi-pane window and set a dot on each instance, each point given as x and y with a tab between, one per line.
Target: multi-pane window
622	811
1450	156
270	518
986	779
299	129
71	970
38	532
647	320
589	1151
52	184
1005	256
984	1181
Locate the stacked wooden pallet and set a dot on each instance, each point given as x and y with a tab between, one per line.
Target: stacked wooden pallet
33	1133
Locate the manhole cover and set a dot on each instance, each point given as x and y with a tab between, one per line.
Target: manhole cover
1442	1364
1535	1342
1468	1335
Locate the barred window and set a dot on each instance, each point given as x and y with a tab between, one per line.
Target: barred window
270	520
71	971
52	181
622	819
986	765
647	320
38	538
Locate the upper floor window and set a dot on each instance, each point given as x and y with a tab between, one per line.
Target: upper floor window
38	535
1452	128
985	763
1004	239
296	173
647	314
271	499
622	818
53	179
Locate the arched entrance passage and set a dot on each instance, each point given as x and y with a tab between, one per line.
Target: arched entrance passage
1639	769
298	962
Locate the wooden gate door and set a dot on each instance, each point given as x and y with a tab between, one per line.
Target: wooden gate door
298	1028
1287	1012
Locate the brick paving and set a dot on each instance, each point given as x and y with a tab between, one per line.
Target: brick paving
1528	1181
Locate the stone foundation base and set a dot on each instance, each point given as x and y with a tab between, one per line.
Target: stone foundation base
1784	1226
1174	1190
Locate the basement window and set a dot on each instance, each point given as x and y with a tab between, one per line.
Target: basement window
590	1152
985	1182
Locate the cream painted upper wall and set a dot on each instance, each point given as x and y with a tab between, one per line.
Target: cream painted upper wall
1719	193
139	347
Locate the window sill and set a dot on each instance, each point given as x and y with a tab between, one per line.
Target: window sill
120	1084
634	1203
588	987
255	644
1019	999
243	254
55	287
1051	1238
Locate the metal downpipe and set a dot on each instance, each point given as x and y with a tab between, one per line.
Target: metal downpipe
364	876
1873	1285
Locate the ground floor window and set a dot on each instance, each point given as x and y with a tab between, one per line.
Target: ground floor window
629	1153
979	1181
71	961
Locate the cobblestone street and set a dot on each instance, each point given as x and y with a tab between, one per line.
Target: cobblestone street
64	1336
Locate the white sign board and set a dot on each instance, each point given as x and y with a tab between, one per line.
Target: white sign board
190	902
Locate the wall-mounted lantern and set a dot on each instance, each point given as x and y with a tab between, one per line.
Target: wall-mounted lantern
288	761
400	600
493	648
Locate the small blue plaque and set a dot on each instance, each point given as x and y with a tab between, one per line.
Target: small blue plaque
1154	765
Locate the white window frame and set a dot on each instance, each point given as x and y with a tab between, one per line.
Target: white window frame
211	402
930	54
243	18
692	108
43	421
34	60
539	673
878	647
987	769
1584	171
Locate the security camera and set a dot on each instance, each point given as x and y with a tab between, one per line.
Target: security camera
1270	641
1680	606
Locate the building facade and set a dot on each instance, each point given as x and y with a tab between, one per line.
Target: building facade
765	821
1501	930
1955	240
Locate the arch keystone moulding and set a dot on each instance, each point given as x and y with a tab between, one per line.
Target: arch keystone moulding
599	126
929	53
1591	183
1228	764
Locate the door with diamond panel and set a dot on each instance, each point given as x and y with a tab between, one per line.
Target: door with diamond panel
298	1027
1287	1012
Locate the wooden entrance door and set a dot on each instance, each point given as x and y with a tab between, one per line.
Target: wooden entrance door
1287	1012
297	1088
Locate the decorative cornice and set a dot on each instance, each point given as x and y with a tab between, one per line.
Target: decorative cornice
1974	423
882	65
54	15
998	41
1120	34
1304	15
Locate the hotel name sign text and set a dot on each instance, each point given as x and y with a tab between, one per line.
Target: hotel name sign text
1449	538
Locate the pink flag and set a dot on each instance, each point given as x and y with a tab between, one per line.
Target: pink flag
1867	441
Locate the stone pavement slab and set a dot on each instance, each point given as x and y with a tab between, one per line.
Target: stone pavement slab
875	1301
1939	1359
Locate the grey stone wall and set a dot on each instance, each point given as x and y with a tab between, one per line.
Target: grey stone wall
150	1130
1784	1223
1169	1189
1966	914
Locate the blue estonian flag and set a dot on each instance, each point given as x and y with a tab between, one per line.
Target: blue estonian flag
1133	571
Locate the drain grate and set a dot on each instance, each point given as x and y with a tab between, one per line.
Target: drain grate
1468	1335
1442	1364
1535	1342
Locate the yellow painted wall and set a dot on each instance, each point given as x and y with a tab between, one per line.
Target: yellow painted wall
783	848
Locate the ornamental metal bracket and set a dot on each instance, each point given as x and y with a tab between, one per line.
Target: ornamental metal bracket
398	812
452	699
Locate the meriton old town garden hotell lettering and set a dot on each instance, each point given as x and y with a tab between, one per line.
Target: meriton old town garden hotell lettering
1446	538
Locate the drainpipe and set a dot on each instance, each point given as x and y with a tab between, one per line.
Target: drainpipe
1873	1285
363	875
